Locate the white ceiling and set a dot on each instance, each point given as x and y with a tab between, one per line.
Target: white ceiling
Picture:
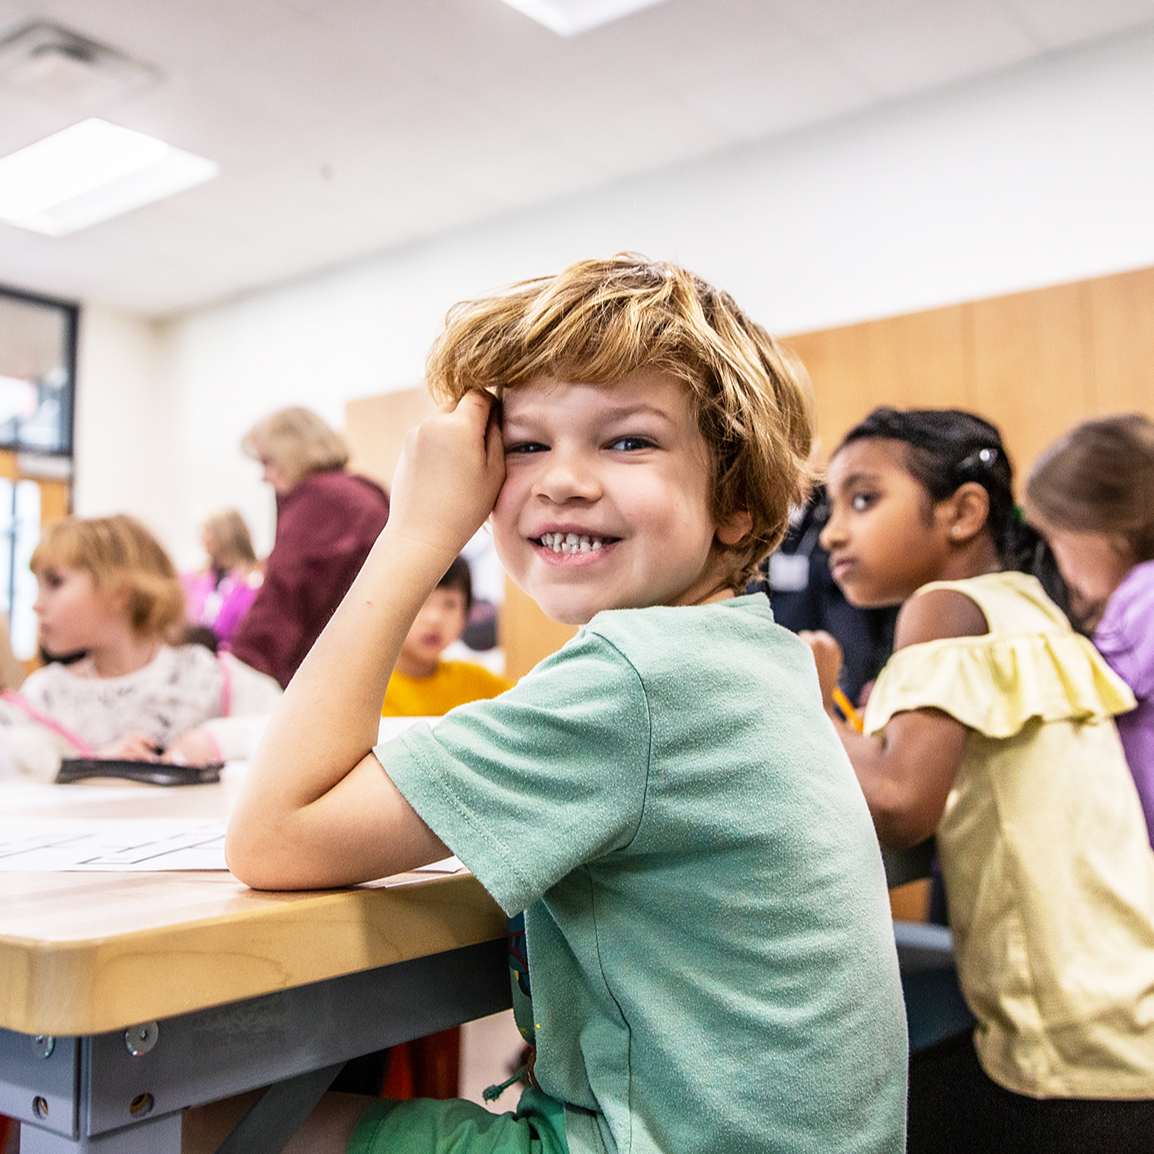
346	127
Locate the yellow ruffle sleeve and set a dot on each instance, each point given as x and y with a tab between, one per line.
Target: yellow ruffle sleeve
995	684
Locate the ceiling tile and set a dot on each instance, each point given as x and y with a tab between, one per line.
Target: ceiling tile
826	19
1061	22
805	87
344	127
935	44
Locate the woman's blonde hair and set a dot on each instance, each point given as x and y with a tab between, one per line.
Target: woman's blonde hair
120	555
298	441
598	321
232	540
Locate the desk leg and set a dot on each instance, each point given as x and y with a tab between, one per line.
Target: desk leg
278	1113
152	1136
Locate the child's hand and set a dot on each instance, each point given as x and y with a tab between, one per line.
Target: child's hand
131	747
827	657
450	472
193	748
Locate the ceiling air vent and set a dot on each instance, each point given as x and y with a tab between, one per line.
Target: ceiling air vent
48	62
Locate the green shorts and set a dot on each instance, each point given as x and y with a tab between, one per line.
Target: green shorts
426	1126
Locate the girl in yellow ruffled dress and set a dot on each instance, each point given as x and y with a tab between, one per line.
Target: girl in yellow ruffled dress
992	727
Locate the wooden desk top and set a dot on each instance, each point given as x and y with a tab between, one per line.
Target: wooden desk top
85	953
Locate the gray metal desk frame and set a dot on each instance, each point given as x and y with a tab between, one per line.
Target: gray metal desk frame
92	1094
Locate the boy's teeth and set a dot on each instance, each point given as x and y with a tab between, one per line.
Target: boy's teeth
570	543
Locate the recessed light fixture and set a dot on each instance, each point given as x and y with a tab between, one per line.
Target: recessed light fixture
569	17
91	172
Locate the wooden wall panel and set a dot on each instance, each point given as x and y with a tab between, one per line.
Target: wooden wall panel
1122	322
376	428
526	634
919	359
1035	363
1032	366
835	360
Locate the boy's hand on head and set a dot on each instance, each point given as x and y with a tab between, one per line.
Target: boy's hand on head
827	656
450	472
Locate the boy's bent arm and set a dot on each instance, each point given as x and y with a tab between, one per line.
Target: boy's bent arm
316	808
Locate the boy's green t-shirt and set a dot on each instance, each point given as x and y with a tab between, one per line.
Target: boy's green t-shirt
708	932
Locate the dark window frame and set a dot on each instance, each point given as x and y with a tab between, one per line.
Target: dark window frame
71	313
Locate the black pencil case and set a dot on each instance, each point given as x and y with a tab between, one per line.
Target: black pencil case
149	772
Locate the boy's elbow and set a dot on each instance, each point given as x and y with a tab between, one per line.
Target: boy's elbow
250	856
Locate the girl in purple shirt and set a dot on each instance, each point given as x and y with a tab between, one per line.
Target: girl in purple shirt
1091	495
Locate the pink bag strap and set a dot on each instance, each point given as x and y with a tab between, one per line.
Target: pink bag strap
34	714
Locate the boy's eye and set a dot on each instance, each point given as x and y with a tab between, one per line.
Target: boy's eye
526	447
631	444
860	502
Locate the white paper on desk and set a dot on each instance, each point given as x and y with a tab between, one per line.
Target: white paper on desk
44	845
449	865
390	727
48	845
26	795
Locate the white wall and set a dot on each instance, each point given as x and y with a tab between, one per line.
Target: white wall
1038	176
124	432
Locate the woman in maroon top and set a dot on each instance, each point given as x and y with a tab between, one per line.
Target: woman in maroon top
327	521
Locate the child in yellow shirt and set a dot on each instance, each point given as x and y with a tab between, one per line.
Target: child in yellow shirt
422	685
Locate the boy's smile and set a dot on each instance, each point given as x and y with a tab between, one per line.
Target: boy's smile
606	501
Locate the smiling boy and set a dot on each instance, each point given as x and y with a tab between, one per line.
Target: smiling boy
706	919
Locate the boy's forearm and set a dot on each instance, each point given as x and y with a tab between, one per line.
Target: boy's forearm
327	721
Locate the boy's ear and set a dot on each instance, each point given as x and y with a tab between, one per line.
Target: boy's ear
735	528
967	512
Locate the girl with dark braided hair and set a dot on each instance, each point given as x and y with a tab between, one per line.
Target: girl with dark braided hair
992	727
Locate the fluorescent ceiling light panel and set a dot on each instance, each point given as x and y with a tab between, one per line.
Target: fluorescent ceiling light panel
91	172
569	17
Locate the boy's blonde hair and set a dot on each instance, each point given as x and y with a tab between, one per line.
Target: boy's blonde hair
298	441
120	555
232	538
598	321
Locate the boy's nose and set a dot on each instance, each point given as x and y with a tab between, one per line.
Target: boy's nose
568	477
